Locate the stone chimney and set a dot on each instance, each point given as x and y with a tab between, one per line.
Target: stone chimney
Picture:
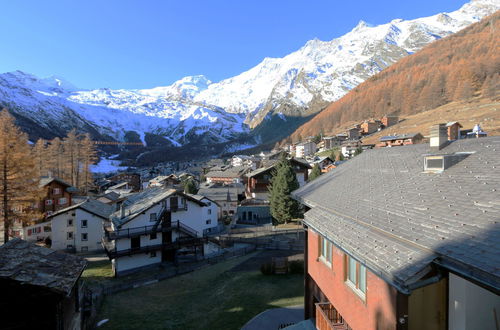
122	211
438	136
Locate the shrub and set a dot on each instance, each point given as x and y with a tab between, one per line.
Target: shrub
296	267
267	268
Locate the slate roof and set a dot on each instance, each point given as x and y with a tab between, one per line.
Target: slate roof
270	164
90	205
232	172
381	208
398	137
220	193
140	202
28	263
45	180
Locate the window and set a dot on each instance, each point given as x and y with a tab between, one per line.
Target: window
152	236
63	200
152	217
356	275
85	237
69	246
325	250
84	248
209	211
29	232
69	235
208	222
48	202
84	223
56	191
70	222
152	254
47	229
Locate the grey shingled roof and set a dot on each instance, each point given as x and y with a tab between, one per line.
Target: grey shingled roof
219	193
140	202
385	211
398	137
90	205
28	263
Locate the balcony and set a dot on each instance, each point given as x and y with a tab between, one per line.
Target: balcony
112	253
327	317
147	230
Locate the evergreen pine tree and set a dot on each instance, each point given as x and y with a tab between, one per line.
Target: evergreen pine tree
316	171
18	175
283	207
190	187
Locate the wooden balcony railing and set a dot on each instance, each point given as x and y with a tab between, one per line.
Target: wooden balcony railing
328	318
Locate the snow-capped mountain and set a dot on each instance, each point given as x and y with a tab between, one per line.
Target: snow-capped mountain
57	106
323	71
194	109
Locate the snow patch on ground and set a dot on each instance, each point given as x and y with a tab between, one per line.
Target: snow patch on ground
107	165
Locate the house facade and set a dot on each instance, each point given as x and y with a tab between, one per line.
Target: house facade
258	181
80	228
57	195
393	235
305	149
133	179
226	196
154	225
399	140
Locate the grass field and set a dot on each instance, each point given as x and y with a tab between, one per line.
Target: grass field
211	298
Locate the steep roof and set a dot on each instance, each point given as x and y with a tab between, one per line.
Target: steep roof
139	203
220	193
384	210
92	206
45	180
28	263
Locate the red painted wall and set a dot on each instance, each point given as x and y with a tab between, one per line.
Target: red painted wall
378	311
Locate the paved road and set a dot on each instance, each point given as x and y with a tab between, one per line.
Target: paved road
271	319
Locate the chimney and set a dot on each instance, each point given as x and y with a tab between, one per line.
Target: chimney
122	211
438	136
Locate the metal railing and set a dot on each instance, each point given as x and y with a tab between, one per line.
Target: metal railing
112	252
147	230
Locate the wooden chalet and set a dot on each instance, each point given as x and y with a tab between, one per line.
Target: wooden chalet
58	195
40	288
257	182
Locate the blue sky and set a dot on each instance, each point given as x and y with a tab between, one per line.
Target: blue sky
148	43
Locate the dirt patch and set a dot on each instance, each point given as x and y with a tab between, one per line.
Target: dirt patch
264	256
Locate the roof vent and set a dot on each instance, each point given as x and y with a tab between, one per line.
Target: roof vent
439	163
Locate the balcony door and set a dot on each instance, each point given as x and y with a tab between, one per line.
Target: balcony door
167	253
174	203
135	243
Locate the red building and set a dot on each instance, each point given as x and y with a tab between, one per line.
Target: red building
394	242
57	195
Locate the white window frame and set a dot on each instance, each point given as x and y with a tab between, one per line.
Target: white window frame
359	286
325	250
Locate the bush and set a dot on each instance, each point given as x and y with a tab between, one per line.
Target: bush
296	267
267	268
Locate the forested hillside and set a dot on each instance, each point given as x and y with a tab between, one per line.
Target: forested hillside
459	67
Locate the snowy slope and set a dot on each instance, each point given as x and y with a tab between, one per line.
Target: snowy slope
329	69
196	110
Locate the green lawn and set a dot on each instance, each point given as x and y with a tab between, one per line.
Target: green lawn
210	298
97	272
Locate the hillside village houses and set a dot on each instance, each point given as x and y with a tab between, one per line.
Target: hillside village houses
154	225
79	228
305	149
406	238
